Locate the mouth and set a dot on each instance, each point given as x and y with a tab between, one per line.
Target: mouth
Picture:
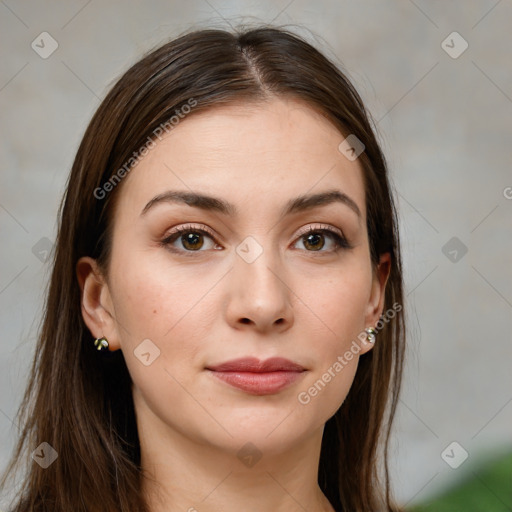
256	377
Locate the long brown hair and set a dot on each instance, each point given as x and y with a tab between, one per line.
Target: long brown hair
80	403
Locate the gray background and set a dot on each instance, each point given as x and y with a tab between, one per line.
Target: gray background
444	124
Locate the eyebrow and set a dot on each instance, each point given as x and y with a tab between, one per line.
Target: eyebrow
297	204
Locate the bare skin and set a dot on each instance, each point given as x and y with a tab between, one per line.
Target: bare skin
201	303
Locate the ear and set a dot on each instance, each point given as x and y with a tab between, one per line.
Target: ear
376	300
96	303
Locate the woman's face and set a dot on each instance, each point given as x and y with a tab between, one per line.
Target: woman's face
244	279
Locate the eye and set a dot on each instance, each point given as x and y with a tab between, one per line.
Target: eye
192	239
313	239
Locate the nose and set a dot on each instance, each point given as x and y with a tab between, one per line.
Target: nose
259	297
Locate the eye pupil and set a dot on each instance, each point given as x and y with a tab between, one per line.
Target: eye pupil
191	239
313	239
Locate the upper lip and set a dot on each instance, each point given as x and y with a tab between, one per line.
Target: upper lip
254	365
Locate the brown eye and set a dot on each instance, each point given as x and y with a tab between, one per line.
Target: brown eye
191	239
315	239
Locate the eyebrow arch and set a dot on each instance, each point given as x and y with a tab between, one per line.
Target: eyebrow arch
298	204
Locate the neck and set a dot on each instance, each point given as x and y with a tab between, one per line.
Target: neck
184	474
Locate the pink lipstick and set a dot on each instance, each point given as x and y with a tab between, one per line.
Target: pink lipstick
258	377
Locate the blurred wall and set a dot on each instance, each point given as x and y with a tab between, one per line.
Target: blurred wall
437	78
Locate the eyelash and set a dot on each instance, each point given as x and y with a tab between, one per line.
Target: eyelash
340	241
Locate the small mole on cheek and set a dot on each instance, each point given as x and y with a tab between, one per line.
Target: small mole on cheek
154	311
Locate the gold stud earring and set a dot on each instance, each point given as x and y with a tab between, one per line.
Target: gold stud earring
370	334
101	344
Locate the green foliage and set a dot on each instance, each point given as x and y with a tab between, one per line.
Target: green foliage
489	489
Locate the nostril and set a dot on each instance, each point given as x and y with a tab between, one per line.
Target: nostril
245	321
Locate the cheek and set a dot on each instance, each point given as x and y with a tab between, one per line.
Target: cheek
326	389
166	303
173	309
333	319
150	293
337	305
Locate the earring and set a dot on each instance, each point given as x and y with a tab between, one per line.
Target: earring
370	332
101	344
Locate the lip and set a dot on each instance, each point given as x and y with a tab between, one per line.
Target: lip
258	377
254	365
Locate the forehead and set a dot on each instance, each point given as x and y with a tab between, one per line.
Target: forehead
250	154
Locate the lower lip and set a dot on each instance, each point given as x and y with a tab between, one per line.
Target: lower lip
259	383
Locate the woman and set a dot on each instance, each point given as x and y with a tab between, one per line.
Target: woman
224	325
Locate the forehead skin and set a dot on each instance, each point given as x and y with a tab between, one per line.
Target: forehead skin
255	155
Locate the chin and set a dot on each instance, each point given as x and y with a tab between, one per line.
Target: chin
271	431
